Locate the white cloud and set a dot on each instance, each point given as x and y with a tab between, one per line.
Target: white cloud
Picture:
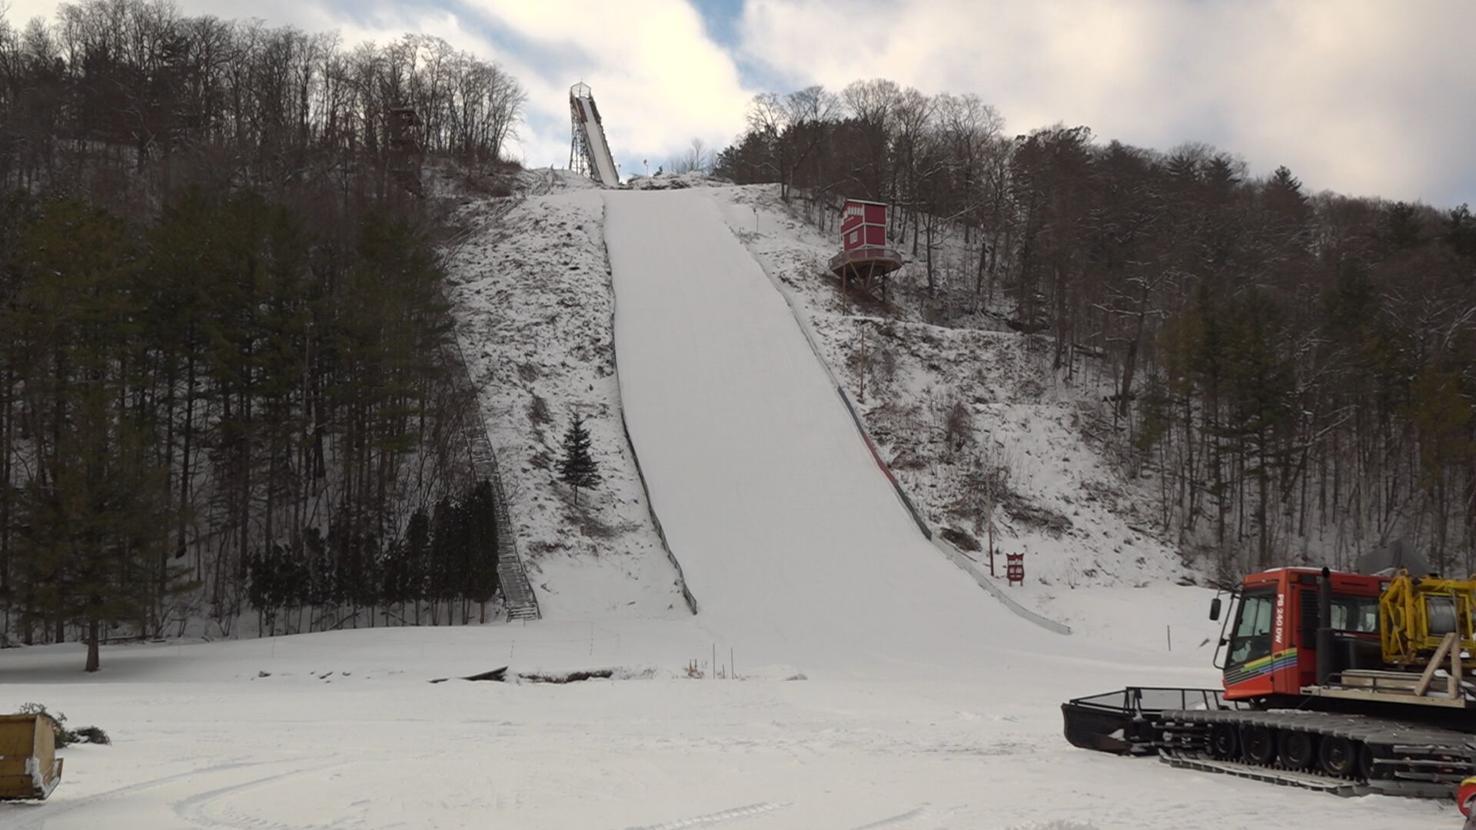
1360	96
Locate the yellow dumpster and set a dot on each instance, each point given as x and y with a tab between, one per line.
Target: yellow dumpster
29	767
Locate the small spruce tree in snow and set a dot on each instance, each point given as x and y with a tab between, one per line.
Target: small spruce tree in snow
577	468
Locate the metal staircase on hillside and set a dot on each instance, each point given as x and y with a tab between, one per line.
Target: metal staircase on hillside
517	591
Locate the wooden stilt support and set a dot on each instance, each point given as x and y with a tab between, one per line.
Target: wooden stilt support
1453	684
1447	645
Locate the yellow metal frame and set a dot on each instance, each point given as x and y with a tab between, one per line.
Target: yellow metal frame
1404	619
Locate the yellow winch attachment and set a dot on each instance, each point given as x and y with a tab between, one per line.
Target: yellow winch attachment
1415	615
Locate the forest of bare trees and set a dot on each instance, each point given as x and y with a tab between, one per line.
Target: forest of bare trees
127	93
1293	372
224	342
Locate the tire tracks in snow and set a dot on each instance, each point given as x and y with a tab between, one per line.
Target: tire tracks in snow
194	808
715	818
894	821
55	809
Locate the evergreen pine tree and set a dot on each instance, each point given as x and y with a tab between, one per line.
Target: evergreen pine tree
445	543
94	518
481	578
578	468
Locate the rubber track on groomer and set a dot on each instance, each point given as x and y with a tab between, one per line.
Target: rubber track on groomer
1407	759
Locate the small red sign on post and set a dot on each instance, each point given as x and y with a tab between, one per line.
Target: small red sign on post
1015	568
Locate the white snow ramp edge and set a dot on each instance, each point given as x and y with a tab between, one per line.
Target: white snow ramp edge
790	538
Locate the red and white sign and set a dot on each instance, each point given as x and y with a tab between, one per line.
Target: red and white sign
1015	568
863	225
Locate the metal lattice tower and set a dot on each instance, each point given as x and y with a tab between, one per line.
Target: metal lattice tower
589	149
578	146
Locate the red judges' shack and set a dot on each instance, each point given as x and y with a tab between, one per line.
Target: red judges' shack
864	257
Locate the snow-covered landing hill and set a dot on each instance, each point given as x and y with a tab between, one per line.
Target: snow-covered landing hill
534	302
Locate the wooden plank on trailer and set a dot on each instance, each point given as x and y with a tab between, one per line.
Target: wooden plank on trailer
1429	673
1381	674
1453	683
1380	680
1407	686
1404	698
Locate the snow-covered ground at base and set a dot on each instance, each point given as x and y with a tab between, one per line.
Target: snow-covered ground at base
1070	512
877	686
530	290
344	730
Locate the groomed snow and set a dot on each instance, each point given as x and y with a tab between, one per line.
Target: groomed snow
767	493
923	704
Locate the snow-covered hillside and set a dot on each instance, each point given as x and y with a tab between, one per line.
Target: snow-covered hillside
535	303
951	408
532	297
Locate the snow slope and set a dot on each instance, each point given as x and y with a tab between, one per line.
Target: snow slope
767	492
1080	524
926	705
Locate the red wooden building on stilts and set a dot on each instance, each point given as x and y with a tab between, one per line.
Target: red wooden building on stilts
864	257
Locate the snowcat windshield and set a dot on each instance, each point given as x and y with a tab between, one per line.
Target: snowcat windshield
1251	639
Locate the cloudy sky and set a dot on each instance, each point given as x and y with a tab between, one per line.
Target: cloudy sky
1367	97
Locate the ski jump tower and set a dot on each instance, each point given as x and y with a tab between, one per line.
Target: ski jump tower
589	153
